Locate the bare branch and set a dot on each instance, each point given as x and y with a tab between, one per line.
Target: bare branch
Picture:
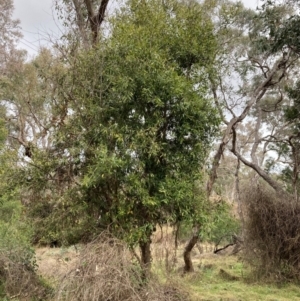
258	93
274	184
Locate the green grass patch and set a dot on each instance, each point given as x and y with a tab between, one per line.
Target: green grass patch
221	278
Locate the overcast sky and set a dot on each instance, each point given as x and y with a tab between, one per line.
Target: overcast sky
39	25
37	21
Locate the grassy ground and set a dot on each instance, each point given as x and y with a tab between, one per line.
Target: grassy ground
225	278
216	277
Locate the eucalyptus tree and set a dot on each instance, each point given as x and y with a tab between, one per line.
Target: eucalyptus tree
10	59
83	18
256	63
9	34
28	90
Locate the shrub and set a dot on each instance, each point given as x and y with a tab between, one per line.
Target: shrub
224	225
18	279
272	236
219	226
17	258
107	270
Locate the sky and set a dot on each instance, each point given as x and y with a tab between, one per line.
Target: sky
39	23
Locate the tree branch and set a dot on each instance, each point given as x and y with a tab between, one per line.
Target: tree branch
258	93
96	20
274	184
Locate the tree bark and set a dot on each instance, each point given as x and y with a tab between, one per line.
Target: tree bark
80	22
188	264
96	19
146	258
238	196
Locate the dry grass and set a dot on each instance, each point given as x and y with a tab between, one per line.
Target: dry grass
272	240
104	271
167	256
217	277
54	263
19	279
107	270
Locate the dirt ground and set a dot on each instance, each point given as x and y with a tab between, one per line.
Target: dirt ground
54	263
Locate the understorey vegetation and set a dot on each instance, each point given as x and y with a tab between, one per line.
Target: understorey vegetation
272	234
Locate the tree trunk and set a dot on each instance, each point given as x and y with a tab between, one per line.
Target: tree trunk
146	258
237	196
95	19
188	264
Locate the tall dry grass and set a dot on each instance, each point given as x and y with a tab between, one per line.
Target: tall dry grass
108	270
18	278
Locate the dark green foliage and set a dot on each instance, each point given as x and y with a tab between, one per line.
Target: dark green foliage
277	27
17	257
218	224
139	127
288	35
152	131
292	113
224	225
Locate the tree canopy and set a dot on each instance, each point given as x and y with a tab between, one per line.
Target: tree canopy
129	126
